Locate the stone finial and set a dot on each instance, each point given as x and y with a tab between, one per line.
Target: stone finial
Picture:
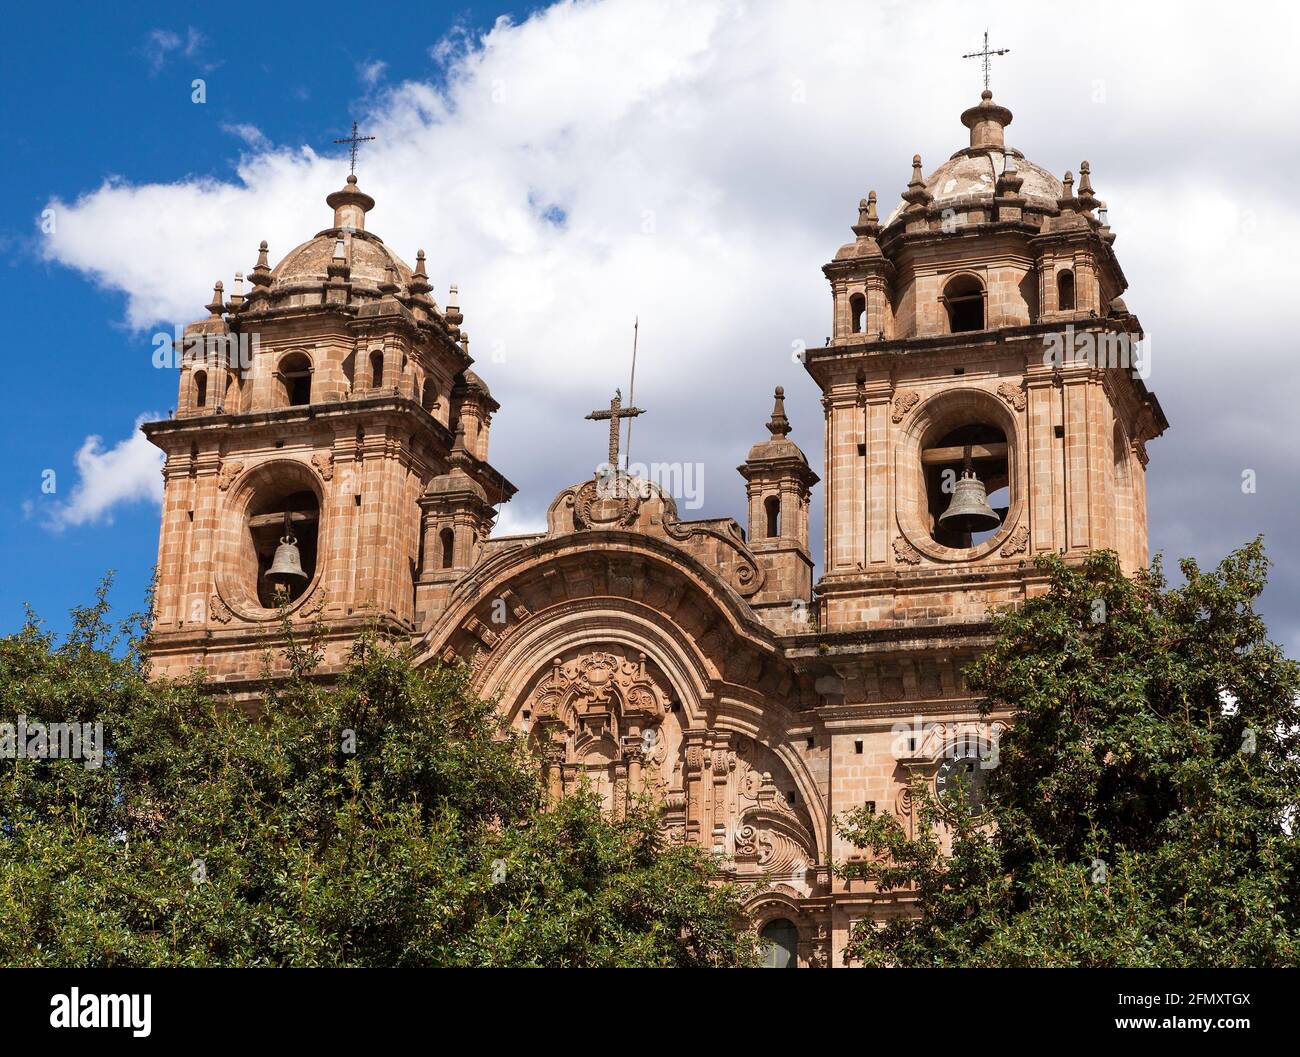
460	457
236	301
217	305
778	425
916	193
453	314
261	273
868	221
1103	222
1010	181
1085	179
389	286
419	285
1068	203
1087	198
338	269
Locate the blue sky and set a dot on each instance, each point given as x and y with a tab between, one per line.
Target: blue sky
693	164
112	99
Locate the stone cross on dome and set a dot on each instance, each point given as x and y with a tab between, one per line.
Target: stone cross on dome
356	140
984	54
616	412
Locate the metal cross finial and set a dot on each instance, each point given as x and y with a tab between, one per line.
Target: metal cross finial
354	139
985	55
616	411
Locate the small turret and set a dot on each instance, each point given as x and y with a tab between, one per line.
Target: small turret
779	482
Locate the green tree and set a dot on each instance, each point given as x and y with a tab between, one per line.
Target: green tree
1142	809
385	817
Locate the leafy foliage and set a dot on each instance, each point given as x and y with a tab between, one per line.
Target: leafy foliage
1143	807
250	836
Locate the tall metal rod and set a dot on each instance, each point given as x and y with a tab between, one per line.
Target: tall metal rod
631	392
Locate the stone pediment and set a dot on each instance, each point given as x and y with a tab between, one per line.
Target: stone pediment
617	500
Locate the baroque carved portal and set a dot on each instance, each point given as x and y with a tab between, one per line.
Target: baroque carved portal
604	720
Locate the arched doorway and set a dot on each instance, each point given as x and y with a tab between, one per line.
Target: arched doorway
780	940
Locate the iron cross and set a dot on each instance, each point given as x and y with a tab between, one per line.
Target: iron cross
616	411
985	55
354	139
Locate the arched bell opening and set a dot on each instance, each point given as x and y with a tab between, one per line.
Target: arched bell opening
281	538
857	314
964	469
233	402
294	380
772	510
963	300
446	548
1065	290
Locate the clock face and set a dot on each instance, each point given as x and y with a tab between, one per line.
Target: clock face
962	780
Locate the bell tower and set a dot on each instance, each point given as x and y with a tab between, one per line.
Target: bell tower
984	391
985	402
329	439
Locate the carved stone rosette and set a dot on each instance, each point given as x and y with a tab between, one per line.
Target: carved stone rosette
229	471
904	401
1016	543
905	552
1013	395
323	461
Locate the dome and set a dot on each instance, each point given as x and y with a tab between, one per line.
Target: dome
345	249
971	175
366	255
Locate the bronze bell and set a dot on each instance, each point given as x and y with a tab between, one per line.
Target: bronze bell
286	570
969	510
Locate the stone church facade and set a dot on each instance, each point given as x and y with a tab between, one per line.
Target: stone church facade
693	660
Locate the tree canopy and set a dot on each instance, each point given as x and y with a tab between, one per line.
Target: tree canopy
383	818
1142	809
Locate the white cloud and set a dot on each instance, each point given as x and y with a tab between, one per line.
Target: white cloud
127	472
162	45
696	164
370	73
252	136
515	520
